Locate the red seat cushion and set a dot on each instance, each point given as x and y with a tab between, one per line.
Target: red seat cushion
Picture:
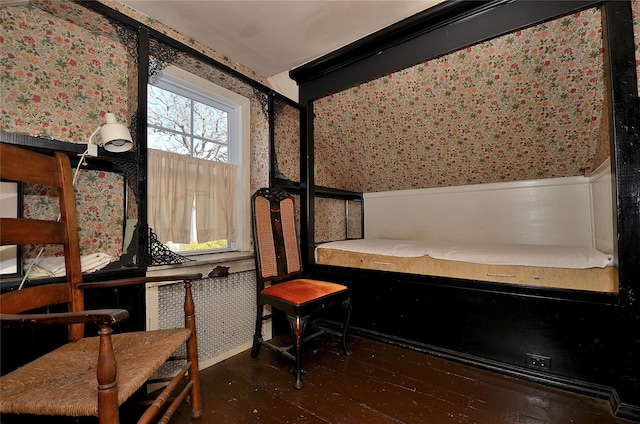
302	291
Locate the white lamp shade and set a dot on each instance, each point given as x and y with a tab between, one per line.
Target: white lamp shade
115	137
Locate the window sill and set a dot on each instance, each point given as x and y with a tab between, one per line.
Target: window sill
236	261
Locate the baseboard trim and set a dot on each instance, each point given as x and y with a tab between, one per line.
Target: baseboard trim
630	412
574	385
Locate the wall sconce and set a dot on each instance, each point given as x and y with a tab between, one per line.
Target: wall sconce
115	137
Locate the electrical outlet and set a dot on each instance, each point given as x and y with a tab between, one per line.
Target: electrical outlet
538	362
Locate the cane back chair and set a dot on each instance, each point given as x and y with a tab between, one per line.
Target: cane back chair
88	376
278	263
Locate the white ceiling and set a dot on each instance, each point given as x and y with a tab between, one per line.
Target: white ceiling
273	36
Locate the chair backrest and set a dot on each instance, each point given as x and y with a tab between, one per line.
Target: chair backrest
275	236
22	165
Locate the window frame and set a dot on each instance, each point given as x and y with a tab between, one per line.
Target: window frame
239	109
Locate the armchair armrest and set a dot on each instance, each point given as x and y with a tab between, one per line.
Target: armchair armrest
138	280
97	316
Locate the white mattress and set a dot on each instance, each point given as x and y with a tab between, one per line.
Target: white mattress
573	257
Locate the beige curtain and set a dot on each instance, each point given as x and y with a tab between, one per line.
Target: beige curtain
175	183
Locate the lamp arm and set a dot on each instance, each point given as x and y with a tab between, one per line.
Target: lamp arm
93	134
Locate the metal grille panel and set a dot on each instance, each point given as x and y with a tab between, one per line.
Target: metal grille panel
225	313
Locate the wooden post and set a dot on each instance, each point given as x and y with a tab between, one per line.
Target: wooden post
106	373
192	350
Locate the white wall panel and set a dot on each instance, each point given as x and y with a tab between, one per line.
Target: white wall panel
553	211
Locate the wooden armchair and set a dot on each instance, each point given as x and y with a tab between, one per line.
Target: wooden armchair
278	263
90	376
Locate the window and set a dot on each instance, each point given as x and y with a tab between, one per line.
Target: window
10	207
198	168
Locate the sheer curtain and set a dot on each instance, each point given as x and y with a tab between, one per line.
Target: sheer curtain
176	183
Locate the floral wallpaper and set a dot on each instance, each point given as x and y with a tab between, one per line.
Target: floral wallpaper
287	141
331	220
49	89
102	214
468	117
354	218
526	105
635	9
64	67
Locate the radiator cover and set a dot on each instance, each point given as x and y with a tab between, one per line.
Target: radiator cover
225	314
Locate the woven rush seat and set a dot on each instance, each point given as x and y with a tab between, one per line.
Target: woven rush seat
88	376
30	389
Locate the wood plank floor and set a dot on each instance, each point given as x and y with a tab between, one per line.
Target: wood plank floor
379	383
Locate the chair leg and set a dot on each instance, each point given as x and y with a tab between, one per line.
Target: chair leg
106	375
192	352
347	305
298	325
194	377
257	336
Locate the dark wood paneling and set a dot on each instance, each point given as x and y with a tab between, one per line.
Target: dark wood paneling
494	328
436	31
593	340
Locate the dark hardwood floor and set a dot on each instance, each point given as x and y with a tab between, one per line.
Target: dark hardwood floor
380	383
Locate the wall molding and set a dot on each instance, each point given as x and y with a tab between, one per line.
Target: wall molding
507	185
558	382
